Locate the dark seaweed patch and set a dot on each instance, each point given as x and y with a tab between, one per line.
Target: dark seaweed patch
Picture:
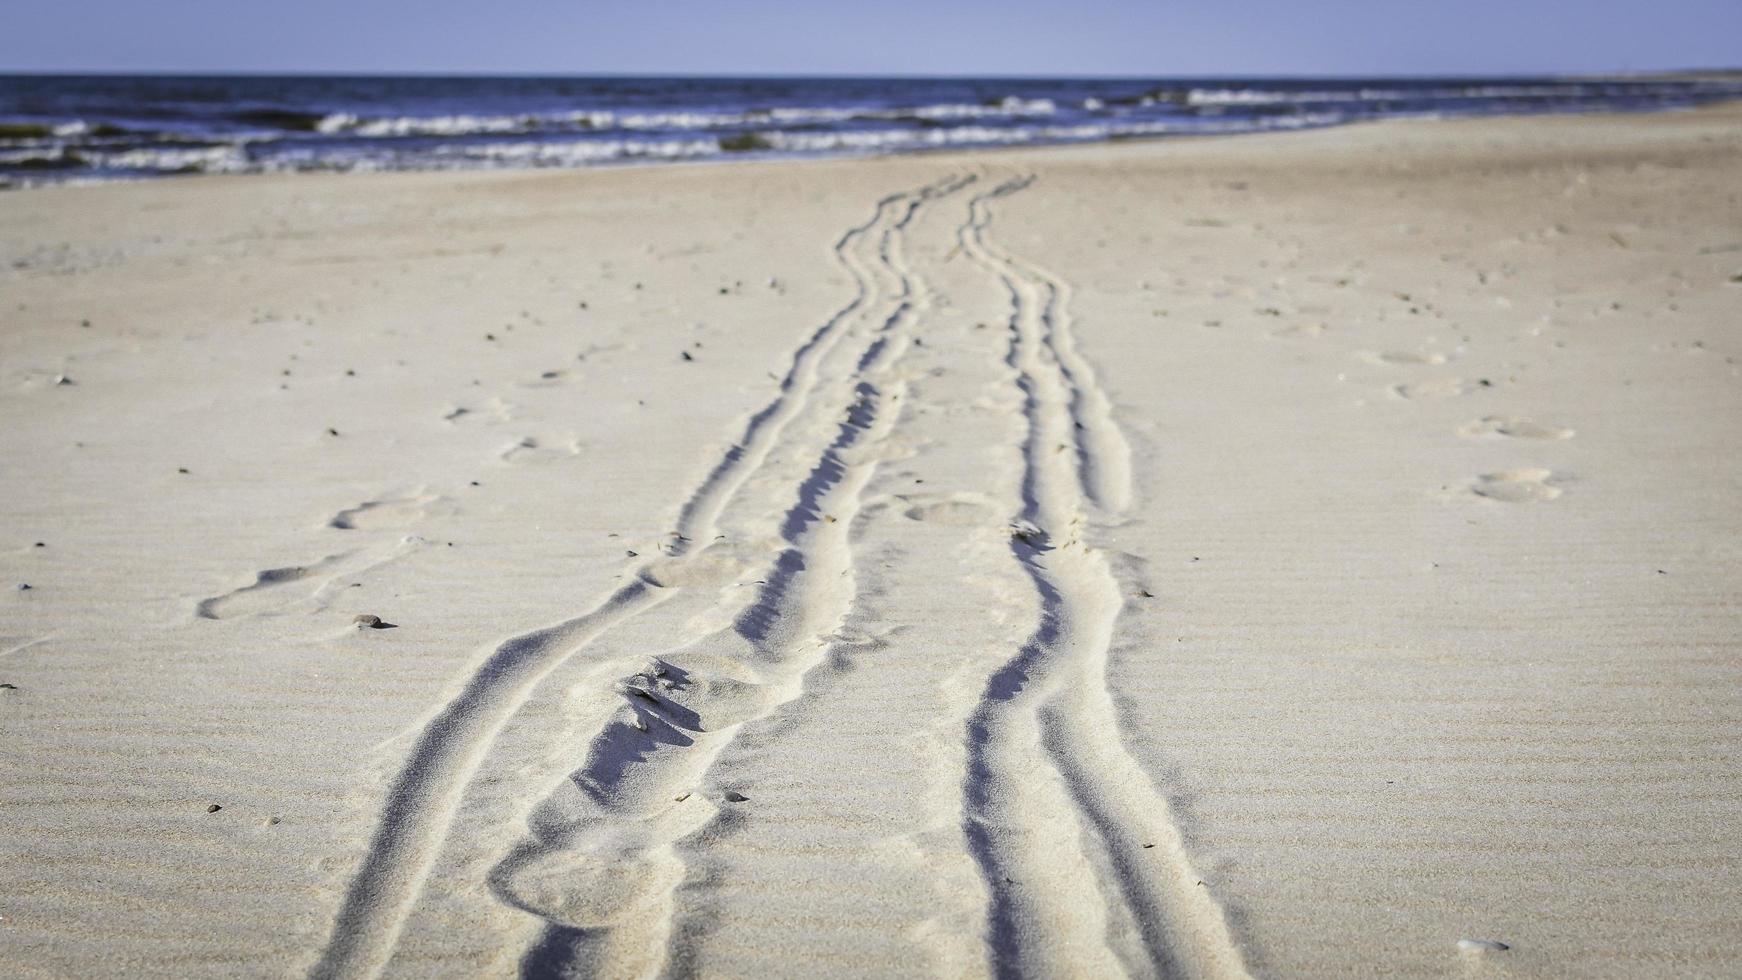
744	143
55	161
298	122
24	131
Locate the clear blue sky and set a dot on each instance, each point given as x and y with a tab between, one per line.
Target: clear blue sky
971	37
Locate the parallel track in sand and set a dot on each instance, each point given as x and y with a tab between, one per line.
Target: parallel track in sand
1049	707
1079	867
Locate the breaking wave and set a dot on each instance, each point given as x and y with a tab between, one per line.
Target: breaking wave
65	128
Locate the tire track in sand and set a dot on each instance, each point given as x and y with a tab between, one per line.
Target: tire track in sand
447	750
1044	752
1103	455
600	866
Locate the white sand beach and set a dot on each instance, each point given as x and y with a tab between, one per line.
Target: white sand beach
1293	555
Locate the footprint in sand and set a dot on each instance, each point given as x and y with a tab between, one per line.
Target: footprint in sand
1393	357
530	449
961	511
270	591
310	586
373	514
489	412
697	571
1437	388
1301	330
1511	427
1516	486
10	645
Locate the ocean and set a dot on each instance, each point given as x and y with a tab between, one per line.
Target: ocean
58	128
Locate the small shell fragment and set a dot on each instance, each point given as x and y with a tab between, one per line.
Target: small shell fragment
367	621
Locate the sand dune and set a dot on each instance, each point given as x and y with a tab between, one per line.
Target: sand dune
1286	556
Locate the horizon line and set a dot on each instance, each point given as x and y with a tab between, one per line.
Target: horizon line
851	76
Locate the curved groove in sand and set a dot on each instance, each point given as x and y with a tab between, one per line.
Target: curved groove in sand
271	591
1043	742
1103	454
697	516
600	866
450	747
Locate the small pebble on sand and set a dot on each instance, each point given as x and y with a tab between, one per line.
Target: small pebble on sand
213	808
1482	946
733	796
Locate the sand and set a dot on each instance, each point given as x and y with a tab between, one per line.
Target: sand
1295	555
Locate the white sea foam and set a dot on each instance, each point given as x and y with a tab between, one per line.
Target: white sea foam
1254	97
39	154
604	119
205	159
538	154
893	140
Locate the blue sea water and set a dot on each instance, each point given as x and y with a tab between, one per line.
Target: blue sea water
64	127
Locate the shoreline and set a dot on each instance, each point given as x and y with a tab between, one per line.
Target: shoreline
944	155
732	155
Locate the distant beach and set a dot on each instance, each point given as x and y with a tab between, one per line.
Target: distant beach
70	128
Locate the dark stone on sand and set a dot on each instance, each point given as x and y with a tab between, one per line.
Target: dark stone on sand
733	796
213	808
